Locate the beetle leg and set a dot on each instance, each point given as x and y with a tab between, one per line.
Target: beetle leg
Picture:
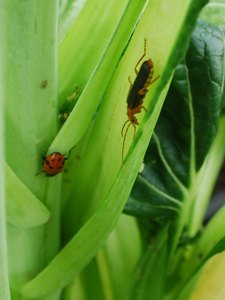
130	86
44	155
136	71
124	139
152	81
144	90
134	131
144	108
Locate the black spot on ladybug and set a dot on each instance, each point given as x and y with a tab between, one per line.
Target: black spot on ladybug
47	162
52	159
60	167
63	162
59	159
51	167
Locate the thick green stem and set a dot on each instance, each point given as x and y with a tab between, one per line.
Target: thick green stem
30	125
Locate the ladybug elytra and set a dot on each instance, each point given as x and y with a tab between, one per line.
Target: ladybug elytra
54	163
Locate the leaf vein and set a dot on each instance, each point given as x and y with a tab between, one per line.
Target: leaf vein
172	199
167	166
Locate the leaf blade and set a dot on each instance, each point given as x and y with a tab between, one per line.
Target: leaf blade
23	209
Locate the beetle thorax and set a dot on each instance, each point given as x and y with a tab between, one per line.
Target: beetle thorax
132	118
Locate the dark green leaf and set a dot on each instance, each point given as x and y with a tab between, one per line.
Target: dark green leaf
223	97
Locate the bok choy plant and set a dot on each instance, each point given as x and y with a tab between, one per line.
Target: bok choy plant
98	231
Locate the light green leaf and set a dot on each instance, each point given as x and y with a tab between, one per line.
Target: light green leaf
214	12
210	243
23	209
68	12
4	280
118	258
71	260
109	274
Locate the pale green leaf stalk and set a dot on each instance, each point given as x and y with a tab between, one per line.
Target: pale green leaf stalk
210	171
29	84
4	279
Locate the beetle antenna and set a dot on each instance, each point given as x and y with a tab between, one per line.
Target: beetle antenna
123	127
70	152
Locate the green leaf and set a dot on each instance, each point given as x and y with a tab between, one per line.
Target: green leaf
68	12
214	12
188	289
109	274
182	138
118	258
82	247
4	280
23	209
148	201
90	279
151	271
210	243
209	177
223	98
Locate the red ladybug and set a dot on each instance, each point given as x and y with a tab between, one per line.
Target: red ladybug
54	163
